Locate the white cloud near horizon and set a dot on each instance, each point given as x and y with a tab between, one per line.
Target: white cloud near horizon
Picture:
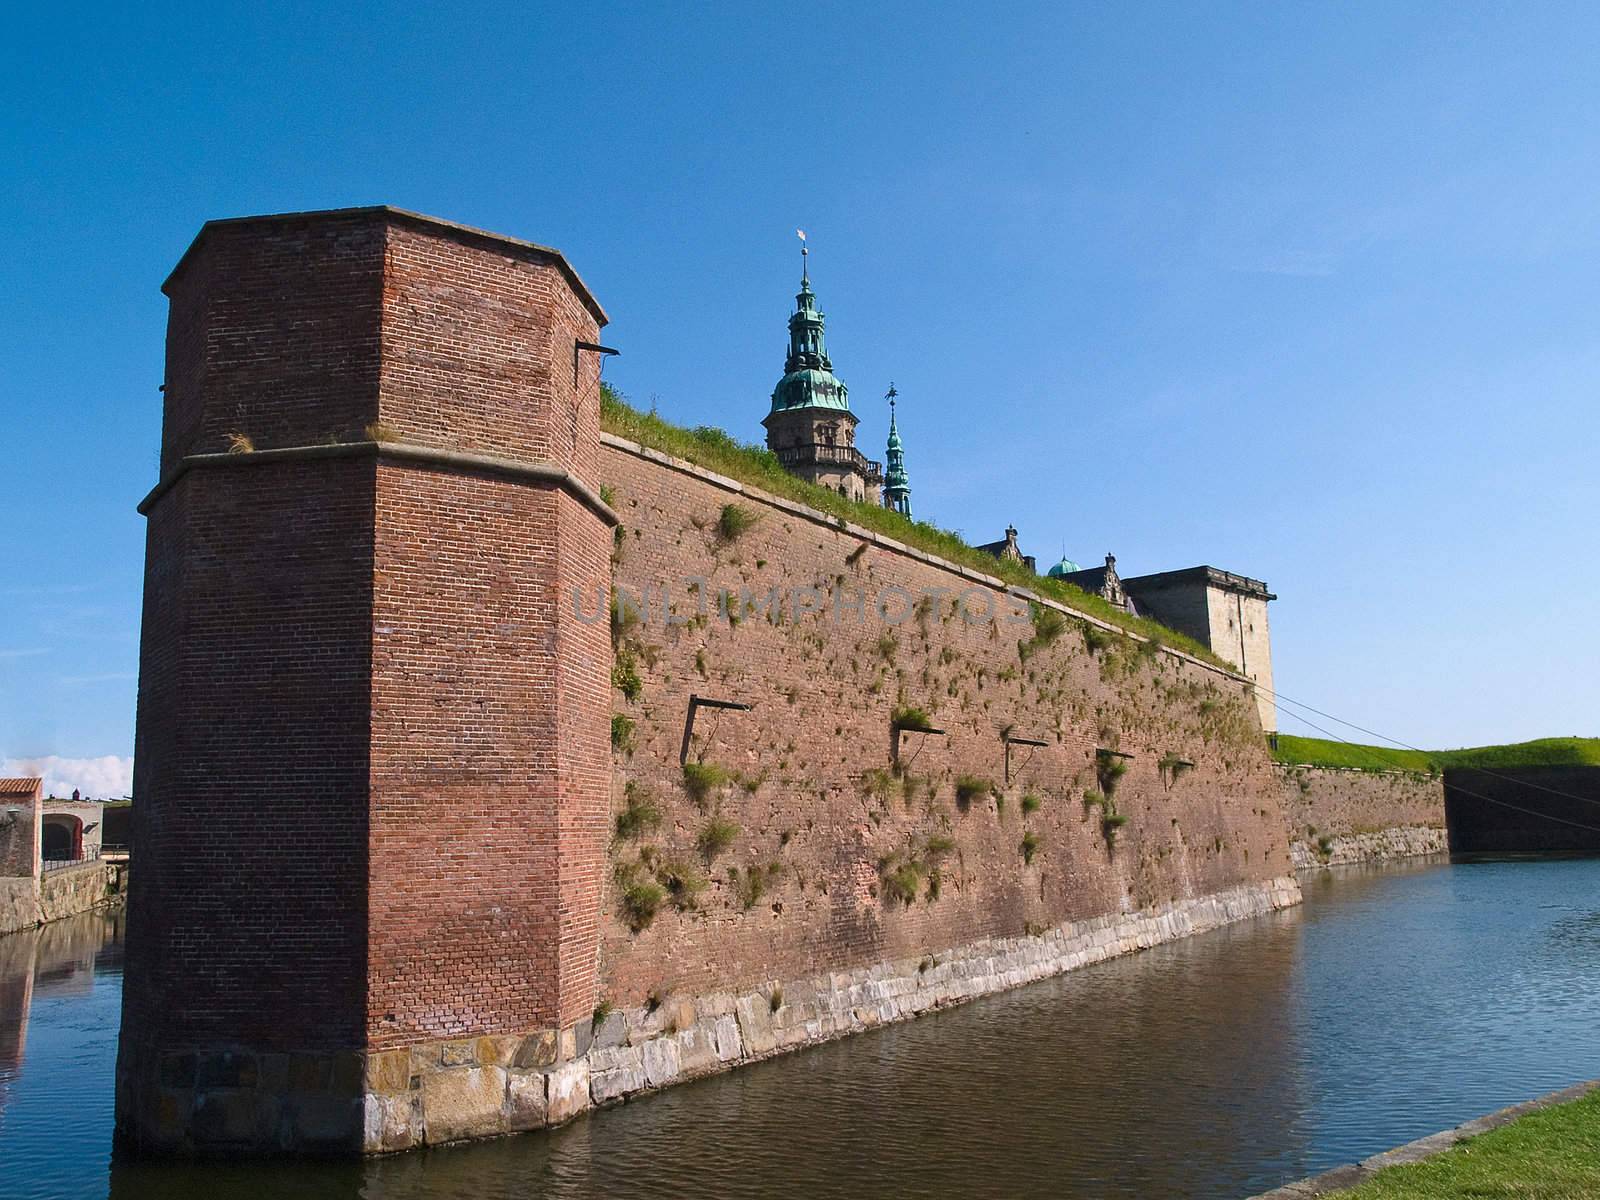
108	777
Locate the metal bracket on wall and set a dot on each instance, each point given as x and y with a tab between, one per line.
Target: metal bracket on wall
696	703
1011	741
579	347
896	729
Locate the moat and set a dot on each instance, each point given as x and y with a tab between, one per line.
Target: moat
1395	1002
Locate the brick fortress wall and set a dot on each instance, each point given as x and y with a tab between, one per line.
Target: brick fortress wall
382	900
1342	816
821	820
371	744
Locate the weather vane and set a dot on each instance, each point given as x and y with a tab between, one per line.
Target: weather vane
801	234
890	394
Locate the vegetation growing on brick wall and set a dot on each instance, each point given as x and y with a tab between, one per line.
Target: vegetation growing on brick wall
640	816
1173	765
734	520
1030	846
638	894
970	788
909	717
1048	625
1110	819
700	780
715	450
1542	752
622	728
716	835
683	881
1109	770
625	675
753	883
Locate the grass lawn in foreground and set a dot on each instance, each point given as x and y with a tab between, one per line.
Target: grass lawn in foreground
1552	1154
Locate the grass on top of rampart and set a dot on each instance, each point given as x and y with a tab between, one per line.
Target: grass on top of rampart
1542	752
717	451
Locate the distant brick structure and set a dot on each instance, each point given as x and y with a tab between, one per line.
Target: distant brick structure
371	751
19	827
381	897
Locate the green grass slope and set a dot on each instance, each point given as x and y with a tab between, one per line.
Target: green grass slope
1542	752
1552	1154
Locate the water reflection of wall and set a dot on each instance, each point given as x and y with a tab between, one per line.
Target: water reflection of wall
59	958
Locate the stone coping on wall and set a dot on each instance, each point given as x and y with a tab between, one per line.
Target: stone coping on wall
435	456
818	517
1401	841
1350	1175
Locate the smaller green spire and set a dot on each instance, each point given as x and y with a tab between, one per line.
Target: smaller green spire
896	483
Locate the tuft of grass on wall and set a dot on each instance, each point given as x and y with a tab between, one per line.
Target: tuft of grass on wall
684	883
1030	846
701	780
641	816
970	788
640	902
625	675
622	728
735	520
716	836
909	717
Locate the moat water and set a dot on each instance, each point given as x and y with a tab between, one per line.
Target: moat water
1397	1001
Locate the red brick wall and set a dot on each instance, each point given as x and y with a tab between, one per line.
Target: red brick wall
1338	803
19	836
823	696
366	814
273	332
490	713
247	914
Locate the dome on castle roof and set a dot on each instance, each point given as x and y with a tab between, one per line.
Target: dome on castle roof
1065	567
810	387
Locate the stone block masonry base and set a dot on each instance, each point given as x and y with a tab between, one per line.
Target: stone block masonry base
1381	845
452	1091
66	892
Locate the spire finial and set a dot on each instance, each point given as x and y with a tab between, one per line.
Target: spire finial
889	396
805	278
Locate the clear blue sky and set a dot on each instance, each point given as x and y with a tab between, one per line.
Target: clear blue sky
1306	291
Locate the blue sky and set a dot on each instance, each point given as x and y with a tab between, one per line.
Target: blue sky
1306	291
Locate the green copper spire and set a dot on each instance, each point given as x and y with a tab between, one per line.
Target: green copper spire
808	380
896	483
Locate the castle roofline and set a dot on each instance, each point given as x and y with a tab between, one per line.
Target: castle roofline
437	225
1212	576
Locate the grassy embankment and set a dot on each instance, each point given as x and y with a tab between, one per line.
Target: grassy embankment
1542	752
1552	1154
717	451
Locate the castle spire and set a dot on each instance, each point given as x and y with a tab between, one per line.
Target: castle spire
896	483
810	426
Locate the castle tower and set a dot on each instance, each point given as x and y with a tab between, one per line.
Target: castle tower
377	497
896	483
810	427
